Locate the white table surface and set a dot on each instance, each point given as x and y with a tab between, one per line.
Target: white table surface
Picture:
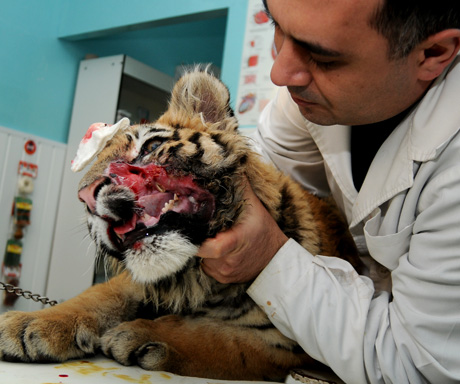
95	370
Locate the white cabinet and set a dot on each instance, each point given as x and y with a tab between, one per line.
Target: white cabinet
106	87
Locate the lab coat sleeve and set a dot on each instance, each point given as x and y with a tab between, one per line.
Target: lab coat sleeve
321	302
282	137
412	336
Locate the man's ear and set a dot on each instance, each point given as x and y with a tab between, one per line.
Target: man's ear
437	52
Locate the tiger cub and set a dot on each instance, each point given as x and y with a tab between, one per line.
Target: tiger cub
155	193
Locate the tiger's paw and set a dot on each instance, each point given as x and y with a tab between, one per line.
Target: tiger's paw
133	343
46	337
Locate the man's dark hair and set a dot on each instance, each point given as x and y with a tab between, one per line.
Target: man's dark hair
406	23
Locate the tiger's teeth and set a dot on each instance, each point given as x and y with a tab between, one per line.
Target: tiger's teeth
160	187
120	236
170	204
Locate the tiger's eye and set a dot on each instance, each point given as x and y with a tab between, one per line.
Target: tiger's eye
151	145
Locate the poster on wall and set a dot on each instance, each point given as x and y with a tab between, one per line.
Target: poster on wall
255	88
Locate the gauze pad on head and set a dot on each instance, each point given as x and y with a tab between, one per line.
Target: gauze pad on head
94	141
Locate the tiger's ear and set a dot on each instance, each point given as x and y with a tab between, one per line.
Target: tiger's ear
200	93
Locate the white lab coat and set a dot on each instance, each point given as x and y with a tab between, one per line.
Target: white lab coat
406	215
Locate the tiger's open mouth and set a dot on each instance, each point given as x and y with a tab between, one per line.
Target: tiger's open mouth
157	196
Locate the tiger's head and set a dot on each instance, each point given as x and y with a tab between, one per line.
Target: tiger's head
157	191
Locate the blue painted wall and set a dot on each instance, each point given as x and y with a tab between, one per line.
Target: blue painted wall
42	42
37	73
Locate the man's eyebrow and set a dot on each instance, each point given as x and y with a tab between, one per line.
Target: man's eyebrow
318	49
312	47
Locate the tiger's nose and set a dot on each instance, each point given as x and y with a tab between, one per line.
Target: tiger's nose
88	195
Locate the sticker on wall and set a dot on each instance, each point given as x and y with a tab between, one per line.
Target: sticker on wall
30	147
22	208
28	169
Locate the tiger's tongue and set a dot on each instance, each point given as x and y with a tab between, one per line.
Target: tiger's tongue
127	226
141	180
152	205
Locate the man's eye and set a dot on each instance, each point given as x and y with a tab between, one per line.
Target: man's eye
325	64
151	146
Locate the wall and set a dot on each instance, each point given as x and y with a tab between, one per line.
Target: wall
43	42
143	14
37	241
37	72
166	46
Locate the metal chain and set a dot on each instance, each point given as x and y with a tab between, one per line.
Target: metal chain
26	294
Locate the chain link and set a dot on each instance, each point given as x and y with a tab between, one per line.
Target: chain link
26	294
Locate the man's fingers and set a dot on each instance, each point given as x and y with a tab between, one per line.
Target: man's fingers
217	270
241	252
218	246
225	243
210	249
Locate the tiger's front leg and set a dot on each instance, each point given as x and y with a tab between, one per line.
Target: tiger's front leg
202	347
71	329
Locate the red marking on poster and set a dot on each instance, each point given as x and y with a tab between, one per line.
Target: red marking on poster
261	17
253	60
250	79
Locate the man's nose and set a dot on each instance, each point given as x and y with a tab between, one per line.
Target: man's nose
291	66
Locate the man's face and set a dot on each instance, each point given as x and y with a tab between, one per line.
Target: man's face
336	66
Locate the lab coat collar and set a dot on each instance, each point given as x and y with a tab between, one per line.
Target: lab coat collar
420	137
437	117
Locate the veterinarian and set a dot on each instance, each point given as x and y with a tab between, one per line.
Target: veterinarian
368	111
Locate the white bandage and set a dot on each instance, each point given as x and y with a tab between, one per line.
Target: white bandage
94	141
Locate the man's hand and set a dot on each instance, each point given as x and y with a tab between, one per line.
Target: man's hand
240	253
